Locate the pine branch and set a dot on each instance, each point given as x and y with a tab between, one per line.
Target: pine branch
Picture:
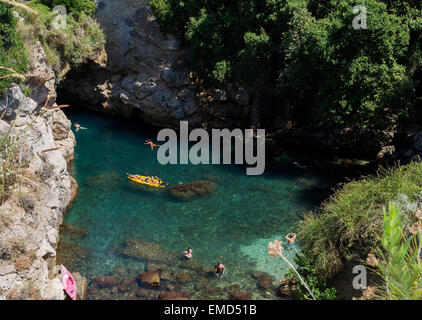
14	74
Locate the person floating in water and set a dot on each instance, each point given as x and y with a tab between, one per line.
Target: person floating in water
152	144
188	253
291	238
219	269
297	164
78	126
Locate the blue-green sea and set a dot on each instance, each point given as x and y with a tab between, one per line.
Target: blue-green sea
233	226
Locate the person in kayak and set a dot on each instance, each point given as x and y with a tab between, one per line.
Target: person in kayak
188	253
219	269
152	144
291	238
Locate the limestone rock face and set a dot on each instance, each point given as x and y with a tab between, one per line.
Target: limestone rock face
81	285
35	213
147	74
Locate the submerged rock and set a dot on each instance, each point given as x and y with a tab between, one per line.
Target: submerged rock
150	278
73	232
193	190
174	295
105	282
183	277
147	251
71	255
156	266
265	283
241	296
147	294
127	284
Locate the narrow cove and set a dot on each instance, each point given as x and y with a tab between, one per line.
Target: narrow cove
232	226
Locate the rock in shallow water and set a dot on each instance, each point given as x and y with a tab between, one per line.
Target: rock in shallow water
147	294
241	296
71	255
148	251
105	282
174	295
150	278
72	231
265	283
193	190
127	284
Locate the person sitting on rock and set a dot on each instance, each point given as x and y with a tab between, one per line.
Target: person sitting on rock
188	253
219	269
152	144
291	238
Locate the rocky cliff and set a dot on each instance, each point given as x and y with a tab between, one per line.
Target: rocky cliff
31	215
146	73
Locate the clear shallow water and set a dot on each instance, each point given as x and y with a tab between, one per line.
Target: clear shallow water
233	226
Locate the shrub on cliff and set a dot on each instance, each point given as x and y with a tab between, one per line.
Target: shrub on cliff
350	223
80	40
12	50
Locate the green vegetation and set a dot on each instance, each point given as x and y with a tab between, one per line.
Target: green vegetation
400	264
350	222
13	54
334	75
80	40
78	7
10	163
310	275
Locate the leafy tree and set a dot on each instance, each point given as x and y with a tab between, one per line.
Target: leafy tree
363	81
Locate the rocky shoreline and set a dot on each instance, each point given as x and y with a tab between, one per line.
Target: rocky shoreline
164	275
32	215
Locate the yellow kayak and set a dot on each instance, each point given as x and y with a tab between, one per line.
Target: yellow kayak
142	180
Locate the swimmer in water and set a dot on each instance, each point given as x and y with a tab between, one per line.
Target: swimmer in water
188	253
78	126
219	269
291	238
152	144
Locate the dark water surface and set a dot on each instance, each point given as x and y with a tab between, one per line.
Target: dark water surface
232	226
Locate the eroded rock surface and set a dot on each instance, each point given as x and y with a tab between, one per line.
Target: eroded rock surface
146	73
32	216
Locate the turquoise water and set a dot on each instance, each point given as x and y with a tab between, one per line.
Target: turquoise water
232	226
